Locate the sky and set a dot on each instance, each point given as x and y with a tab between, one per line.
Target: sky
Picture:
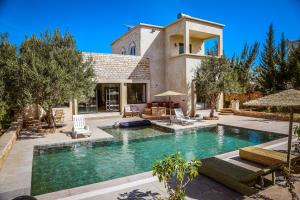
96	24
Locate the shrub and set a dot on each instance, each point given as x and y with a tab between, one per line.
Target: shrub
177	172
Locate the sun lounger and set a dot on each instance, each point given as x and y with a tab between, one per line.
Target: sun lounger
238	178
180	117
265	156
79	126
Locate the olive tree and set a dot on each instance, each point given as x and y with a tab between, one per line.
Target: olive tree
214	76
13	92
57	71
174	167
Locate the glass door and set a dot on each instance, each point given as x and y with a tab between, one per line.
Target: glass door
112	99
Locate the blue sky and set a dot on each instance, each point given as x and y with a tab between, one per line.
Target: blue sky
95	24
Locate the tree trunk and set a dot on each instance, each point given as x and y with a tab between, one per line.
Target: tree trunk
51	119
212	105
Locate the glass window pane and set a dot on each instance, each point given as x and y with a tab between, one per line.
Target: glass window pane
181	48
136	93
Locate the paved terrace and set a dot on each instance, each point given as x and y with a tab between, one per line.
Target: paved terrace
15	176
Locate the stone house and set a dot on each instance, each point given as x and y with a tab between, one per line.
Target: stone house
148	60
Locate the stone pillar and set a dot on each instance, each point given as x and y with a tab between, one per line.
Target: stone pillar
193	98
148	92
220	45
220	102
186	38
123	96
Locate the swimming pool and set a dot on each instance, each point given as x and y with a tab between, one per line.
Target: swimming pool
133	151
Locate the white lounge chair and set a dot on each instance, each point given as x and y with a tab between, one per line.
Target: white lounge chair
180	117
79	126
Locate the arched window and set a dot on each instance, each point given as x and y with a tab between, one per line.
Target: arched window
123	51
132	50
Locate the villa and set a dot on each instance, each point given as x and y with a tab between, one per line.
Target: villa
95	152
148	60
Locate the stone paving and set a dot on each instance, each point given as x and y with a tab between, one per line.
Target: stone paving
15	177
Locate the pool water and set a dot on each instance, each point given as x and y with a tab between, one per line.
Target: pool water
133	151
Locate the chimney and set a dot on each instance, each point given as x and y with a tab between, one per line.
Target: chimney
182	15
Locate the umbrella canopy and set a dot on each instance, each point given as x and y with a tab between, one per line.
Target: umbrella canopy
288	99
170	93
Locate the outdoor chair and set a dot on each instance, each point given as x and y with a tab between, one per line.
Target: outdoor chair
131	111
180	117
79	126
59	116
243	179
135	110
265	156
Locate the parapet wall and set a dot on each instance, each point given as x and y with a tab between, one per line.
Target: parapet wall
8	139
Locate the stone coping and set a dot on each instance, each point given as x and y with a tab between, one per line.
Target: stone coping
8	139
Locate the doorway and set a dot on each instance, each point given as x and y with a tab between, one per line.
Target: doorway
108	97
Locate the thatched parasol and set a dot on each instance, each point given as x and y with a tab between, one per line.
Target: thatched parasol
169	94
289	99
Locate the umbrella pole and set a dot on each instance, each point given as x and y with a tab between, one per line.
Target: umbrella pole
170	109
290	138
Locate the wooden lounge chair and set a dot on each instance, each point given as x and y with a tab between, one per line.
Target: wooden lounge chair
240	179
79	126
265	156
180	117
59	116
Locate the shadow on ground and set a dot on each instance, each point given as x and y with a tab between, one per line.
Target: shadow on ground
26	134
136	194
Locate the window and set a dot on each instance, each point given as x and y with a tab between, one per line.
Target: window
181	48
136	93
132	50
123	51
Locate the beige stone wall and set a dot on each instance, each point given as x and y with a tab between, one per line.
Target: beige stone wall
152	47
133	35
197	45
168	69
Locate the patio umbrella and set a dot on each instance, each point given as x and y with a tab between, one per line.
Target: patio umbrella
288	99
169	94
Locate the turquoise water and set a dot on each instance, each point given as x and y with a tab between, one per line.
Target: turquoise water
133	151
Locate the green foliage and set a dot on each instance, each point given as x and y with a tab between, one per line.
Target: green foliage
12	93
278	69
297	131
283	77
47	70
56	69
214	76
294	67
290	181
175	168
267	72
243	66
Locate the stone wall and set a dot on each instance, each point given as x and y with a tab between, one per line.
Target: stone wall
8	139
125	42
109	67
